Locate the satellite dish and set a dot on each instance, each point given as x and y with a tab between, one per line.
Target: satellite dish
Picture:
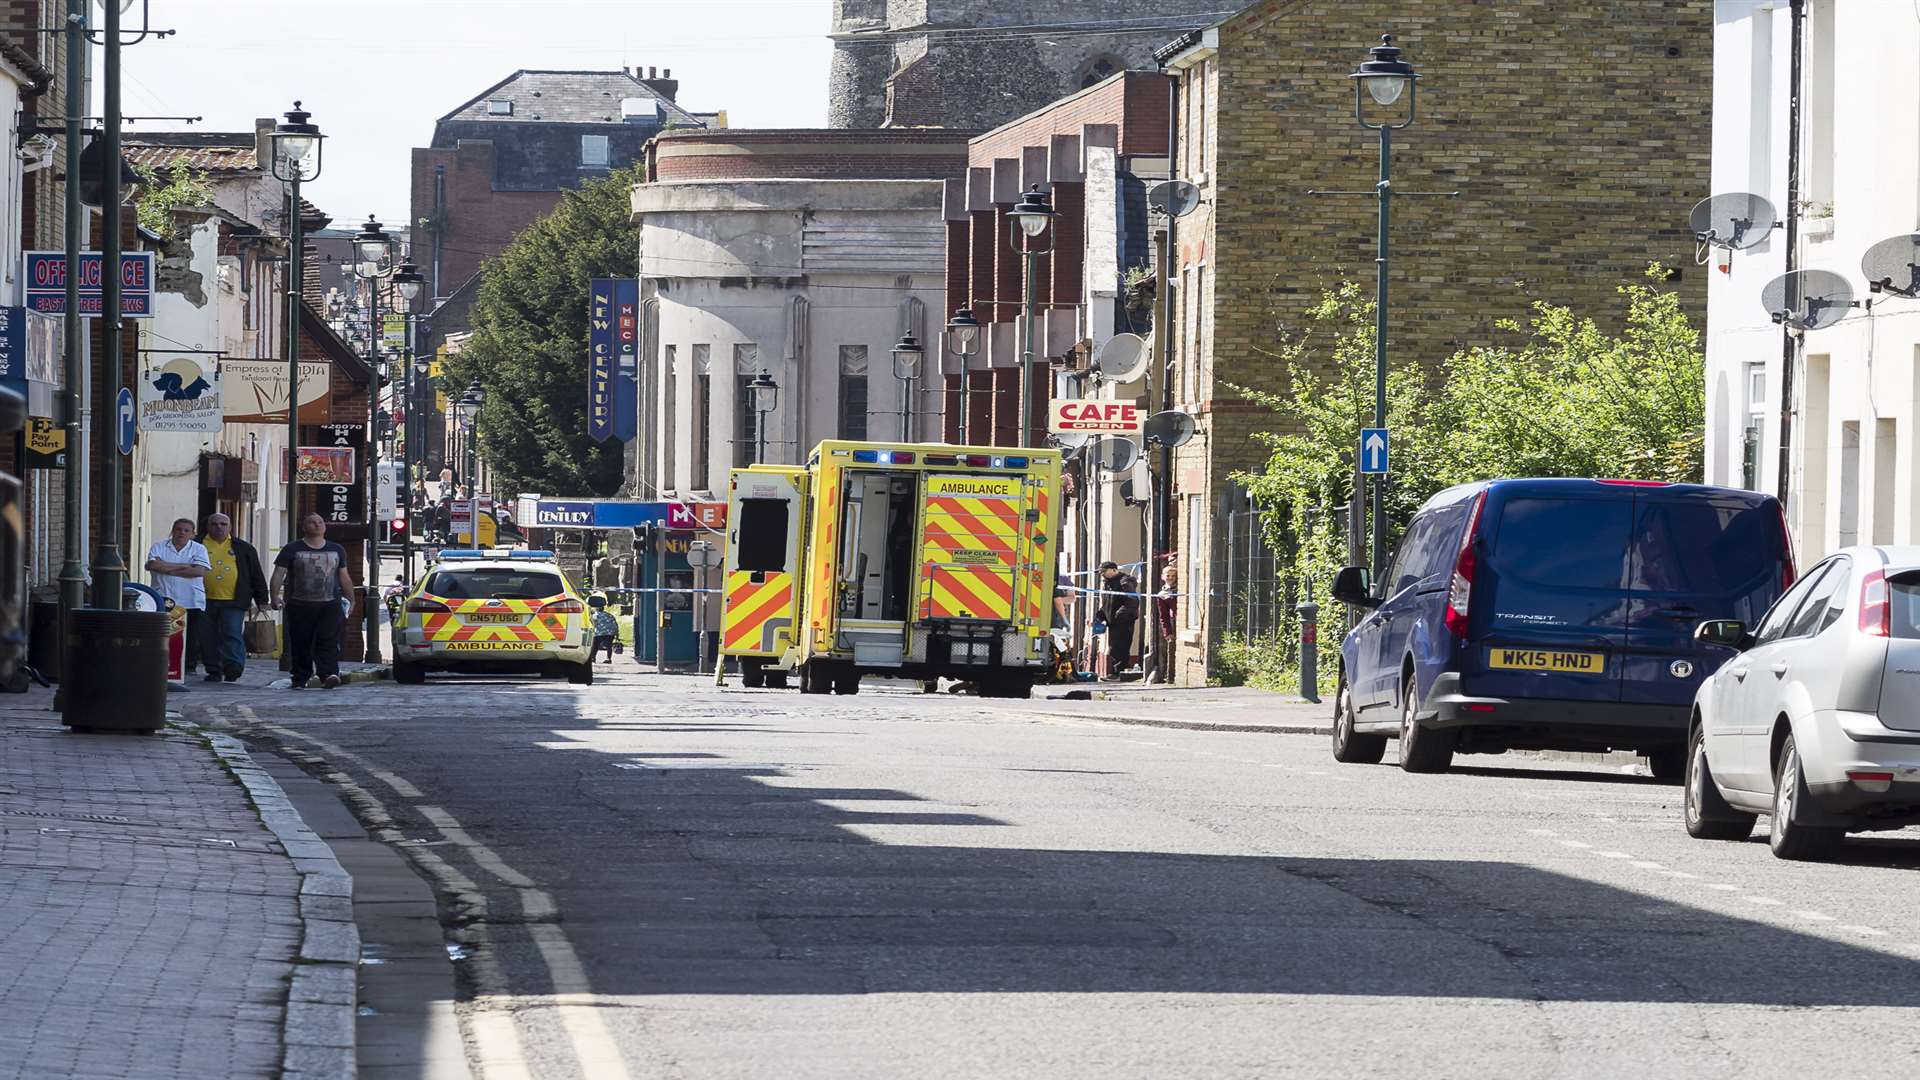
1114	455
1737	220
1123	358
1893	265
1070	441
1170	428
1174	198
1807	299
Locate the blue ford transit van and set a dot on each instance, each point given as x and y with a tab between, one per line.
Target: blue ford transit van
1551	615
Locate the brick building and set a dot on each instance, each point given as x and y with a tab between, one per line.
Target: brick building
975	64
1576	170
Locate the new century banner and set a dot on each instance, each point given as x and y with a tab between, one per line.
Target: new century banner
600	364
626	373
613	353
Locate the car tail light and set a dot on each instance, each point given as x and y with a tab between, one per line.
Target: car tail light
568	606
1871	781
1876	614
426	603
1788	573
1460	589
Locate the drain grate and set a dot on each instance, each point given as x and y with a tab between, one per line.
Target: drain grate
114	819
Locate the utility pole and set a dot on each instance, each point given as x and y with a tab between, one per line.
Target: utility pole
109	564
73	576
1160	380
1789	343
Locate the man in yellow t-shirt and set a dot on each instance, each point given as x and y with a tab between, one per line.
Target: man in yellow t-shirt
235	583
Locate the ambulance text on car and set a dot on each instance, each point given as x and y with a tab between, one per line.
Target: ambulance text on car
501	613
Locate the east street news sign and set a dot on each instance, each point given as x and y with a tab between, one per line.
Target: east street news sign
45	273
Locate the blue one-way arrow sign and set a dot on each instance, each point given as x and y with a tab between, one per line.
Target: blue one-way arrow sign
1373	450
125	421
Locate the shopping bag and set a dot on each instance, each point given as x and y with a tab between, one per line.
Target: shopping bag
262	636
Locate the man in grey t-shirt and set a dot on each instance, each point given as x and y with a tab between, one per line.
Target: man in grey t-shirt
309	578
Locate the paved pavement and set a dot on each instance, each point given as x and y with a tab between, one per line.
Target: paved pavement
651	877
163	912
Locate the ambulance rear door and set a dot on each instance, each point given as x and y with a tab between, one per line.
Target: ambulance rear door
766	545
970	546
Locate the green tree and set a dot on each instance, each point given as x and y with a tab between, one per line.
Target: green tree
1565	399
529	343
178	184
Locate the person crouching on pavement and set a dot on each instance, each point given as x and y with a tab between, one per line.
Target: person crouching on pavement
606	629
235	582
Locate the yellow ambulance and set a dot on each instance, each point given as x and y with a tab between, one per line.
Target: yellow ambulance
493	612
914	561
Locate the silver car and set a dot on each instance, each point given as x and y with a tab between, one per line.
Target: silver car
1815	721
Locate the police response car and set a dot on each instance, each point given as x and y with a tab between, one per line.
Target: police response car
504	613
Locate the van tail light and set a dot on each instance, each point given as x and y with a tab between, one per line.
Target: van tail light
1876	614
1788	573
426	603
1460	589
568	606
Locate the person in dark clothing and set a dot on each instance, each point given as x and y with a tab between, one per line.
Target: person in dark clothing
235	585
310	582
1119	612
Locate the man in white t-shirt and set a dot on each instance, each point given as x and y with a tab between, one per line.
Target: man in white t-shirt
178	564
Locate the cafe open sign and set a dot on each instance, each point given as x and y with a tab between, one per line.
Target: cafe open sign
45	273
1102	417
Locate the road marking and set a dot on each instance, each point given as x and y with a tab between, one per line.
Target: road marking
1815	916
1647	864
1867	930
1613	854
1575	844
1679	874
1767	900
497	1043
1723	888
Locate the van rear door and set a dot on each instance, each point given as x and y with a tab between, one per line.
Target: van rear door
969	546
1696	554
766	543
1549	612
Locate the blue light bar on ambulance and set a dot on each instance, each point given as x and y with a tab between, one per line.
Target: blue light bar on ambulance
1016	463
517	554
462	553
883	457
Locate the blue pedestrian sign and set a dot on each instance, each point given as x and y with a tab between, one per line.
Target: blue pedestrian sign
123	421
1373	450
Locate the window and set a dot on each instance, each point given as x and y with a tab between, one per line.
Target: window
669	404
1756	427
1099	70
1807	617
1773	627
1410	557
746	366
593	151
1193	556
702	407
1200	120
1532	546
495	585
499	107
1903	594
761	536
853	391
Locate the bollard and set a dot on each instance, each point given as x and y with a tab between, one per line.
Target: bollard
1309	650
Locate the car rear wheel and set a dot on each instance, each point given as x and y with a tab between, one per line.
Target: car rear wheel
1350	747
1669	763
1422	749
581	674
1788	838
1709	816
409	674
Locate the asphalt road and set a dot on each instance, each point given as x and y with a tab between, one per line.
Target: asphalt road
652	877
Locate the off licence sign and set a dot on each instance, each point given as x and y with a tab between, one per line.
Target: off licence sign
1113	417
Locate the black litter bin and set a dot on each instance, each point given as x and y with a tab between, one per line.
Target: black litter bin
43	638
116	666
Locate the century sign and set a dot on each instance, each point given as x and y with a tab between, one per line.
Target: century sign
1106	417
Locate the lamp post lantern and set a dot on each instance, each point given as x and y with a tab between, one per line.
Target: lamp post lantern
1030	236
907	357
407	284
373	262
468	411
297	157
1385	78
963	340
765	396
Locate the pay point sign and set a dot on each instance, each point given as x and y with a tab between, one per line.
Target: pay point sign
1102	417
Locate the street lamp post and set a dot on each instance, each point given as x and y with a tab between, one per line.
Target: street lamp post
407	284
906	367
297	149
373	261
766	395
963	337
1385	78
1031	217
468	409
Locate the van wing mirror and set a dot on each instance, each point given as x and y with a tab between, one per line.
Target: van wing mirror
1726	633
1354	585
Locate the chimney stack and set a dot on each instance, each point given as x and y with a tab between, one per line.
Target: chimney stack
660	82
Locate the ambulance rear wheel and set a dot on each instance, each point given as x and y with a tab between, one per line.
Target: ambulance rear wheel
777	680
753	674
815	678
846	682
581	674
409	674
